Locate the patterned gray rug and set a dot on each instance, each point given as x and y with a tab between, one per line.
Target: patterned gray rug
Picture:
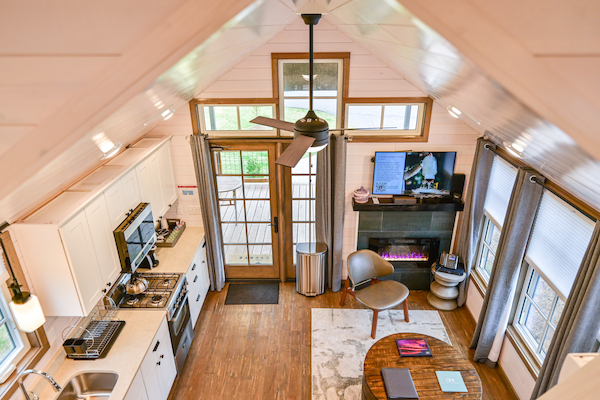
340	341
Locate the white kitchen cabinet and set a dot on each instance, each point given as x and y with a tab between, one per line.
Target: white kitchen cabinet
130	190
137	390
115	204
198	282
167	180
158	368
104	242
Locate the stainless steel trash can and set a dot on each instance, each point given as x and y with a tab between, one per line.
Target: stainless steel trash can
310	268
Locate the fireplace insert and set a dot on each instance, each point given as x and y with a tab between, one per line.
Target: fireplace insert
422	251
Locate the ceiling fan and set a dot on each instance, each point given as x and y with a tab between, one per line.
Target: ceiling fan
310	132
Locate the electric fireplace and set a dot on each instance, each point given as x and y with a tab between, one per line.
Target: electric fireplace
421	251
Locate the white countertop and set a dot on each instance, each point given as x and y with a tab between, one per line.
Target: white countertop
125	357
178	258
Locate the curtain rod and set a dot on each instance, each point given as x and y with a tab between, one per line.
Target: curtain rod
542	184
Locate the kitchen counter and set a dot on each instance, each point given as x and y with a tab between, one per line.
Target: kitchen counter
178	258
125	357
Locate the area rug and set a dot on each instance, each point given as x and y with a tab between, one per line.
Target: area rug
252	293
341	338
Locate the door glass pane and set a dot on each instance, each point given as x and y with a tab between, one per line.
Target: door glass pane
294	109
220	118
231	211
543	296
256	187
259	233
488	260
402	117
261	255
326	109
302	187
234	233
303	210
296	79
236	255
547	340
258	210
255	162
228	162
364	116
560	306
248	113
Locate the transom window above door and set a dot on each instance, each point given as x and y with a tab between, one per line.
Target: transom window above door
294	94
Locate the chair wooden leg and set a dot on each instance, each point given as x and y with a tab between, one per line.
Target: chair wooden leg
406	310
345	292
374	326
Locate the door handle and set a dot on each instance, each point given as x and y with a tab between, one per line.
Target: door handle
275	225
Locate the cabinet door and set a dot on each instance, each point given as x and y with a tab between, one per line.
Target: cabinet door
147	183
115	205
83	260
137	390
158	207
130	190
167	180
199	282
103	240
167	370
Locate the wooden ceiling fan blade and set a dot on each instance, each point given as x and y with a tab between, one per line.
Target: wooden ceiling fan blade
274	123
295	151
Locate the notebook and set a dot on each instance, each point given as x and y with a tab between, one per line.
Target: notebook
451	381
413	347
398	383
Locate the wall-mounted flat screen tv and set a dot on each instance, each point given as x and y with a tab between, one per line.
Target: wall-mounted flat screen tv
426	173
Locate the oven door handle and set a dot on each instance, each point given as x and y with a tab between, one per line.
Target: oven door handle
181	304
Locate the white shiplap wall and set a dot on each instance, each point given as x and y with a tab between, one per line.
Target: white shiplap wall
369	77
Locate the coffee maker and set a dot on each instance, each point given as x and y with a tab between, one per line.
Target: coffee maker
150	261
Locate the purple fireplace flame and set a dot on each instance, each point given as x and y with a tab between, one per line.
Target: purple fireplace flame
414	256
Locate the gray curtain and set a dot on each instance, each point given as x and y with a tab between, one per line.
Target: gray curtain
330	202
524	201
210	209
580	321
470	227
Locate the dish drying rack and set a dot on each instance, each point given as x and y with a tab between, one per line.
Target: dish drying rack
95	333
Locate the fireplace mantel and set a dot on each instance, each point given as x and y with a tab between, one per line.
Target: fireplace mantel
433	204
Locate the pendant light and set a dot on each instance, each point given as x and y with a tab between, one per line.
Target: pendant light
25	307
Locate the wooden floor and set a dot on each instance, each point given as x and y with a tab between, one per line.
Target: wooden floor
263	351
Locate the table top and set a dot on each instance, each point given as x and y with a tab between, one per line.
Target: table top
228	183
384	353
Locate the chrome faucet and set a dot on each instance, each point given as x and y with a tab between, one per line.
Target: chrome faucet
24	374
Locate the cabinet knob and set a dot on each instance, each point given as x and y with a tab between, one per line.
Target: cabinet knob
158	363
108	284
195	278
194	267
162	356
104	290
198	298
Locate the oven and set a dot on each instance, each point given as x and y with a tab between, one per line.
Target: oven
182	333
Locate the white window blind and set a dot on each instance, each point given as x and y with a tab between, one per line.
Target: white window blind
502	180
558	242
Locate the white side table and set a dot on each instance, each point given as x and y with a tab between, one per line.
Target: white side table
444	290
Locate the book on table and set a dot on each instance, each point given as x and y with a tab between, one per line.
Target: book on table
398	383
413	347
451	381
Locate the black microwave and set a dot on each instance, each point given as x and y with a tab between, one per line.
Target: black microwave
135	237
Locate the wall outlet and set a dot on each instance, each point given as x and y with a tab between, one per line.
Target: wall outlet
179	210
194	211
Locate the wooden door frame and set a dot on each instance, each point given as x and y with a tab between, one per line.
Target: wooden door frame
278	186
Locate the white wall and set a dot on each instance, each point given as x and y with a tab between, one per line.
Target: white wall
513	366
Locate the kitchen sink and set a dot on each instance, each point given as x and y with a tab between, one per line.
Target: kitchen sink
89	386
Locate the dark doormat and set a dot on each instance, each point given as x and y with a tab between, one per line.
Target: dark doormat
253	293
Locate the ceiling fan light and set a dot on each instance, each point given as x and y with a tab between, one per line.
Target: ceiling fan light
316	149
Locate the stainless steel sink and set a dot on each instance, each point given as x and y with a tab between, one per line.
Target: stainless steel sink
89	386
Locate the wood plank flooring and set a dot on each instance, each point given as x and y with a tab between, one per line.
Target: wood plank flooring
263	351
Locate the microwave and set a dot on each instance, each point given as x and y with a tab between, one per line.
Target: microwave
135	237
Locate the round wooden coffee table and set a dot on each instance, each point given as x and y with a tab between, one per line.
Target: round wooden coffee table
384	353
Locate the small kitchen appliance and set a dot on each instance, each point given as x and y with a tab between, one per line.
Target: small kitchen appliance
135	238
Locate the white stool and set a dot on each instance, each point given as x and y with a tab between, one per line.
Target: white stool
444	292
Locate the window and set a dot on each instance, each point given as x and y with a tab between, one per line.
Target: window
407	118
502	180
552	259
234	119
294	89
487	250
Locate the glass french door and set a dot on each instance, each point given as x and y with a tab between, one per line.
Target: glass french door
245	182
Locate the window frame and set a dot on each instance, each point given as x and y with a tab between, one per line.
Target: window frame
198	124
525	298
19	338
320	60
481	274
424	120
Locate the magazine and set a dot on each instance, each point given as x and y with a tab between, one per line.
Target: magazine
413	347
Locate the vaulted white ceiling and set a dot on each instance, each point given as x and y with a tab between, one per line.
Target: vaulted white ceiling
519	71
